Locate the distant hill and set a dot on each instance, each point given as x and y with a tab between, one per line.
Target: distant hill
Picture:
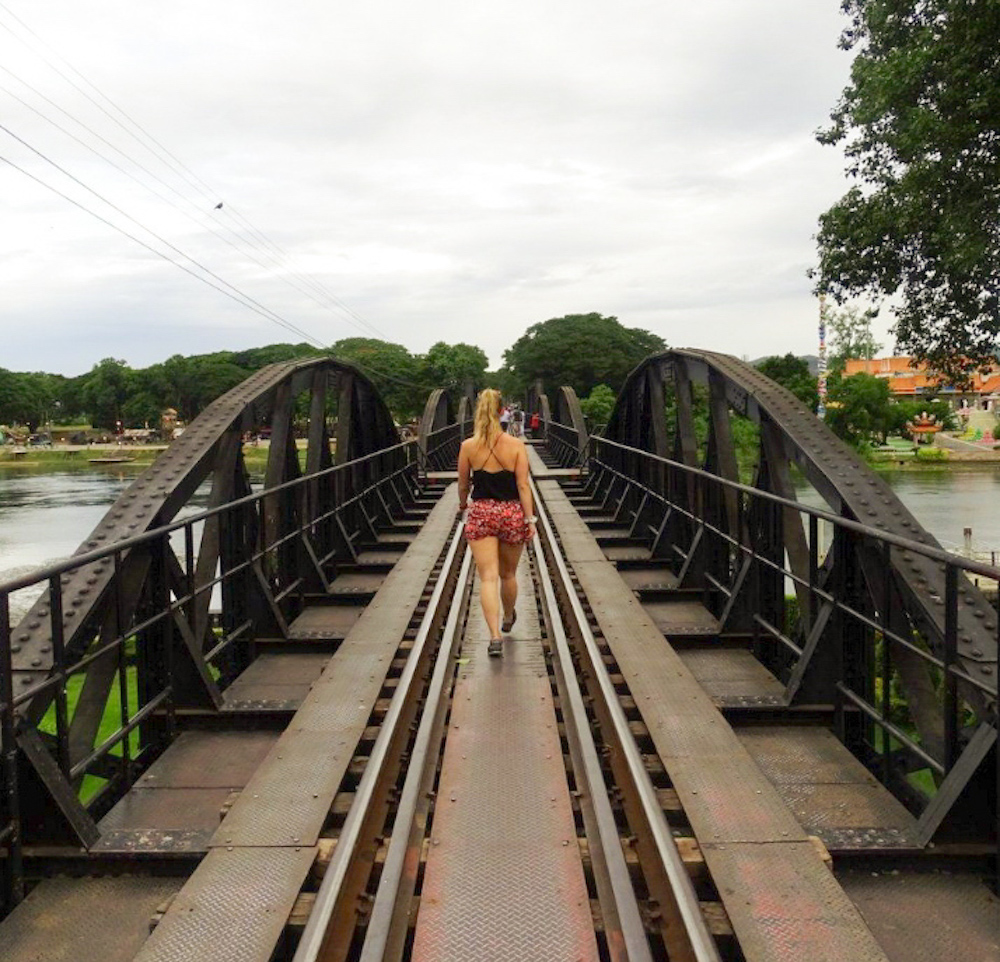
811	359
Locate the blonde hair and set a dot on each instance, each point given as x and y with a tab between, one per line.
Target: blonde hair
486	425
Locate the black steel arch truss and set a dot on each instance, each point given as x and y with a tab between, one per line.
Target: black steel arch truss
566	431
440	434
883	605
129	614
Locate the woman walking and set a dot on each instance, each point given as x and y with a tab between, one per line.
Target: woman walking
501	516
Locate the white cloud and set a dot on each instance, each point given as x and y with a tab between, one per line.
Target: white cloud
449	170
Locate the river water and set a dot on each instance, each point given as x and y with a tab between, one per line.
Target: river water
45	516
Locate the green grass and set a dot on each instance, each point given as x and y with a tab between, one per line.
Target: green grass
111	722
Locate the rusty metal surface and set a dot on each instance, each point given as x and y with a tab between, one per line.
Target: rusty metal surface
786	906
503	878
932	917
682	618
733	676
167	815
287	800
233	908
84	920
176	805
324	622
275	681
209	759
652	579
356	583
831	793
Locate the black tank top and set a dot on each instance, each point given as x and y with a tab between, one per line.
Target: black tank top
494	485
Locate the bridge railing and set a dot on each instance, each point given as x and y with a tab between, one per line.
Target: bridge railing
723	540
443	445
163	650
564	443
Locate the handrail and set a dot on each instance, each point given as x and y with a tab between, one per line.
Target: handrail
936	554
98	554
958	639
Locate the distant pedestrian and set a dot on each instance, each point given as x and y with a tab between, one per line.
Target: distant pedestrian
517	423
504	418
535	424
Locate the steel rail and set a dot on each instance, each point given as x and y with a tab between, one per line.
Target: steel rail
383	908
314	936
702	943
574	711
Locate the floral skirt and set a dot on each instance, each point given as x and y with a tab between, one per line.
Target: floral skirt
496	519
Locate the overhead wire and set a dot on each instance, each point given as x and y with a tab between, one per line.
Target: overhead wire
238	296
159	151
233	293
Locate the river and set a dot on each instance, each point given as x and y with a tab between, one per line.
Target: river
45	516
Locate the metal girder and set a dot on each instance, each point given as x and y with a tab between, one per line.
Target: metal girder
924	608
165	487
851	488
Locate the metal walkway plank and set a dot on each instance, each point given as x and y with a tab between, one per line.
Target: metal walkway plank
831	793
504	879
84	920
932	917
286	801
727	798
232	909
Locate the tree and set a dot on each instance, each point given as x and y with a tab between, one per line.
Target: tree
451	366
851	336
105	390
581	350
393	370
598	405
29	399
858	408
920	125
793	373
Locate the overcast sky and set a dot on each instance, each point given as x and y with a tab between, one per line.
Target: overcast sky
446	170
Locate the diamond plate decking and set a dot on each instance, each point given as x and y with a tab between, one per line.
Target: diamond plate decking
503	878
735	811
831	793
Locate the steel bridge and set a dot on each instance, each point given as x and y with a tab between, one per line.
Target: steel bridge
726	725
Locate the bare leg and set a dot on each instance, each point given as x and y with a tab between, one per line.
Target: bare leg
510	555
486	555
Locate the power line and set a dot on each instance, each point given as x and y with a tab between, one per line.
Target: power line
137	180
175	164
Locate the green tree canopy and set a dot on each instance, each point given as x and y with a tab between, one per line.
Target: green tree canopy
106	389
858	408
598	405
850	331
581	350
793	373
28	398
452	365
391	368
920	126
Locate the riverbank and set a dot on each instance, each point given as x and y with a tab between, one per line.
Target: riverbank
69	457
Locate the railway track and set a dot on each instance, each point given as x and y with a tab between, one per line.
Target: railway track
644	901
576	799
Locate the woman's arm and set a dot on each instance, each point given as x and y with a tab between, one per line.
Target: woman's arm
464	476
523	488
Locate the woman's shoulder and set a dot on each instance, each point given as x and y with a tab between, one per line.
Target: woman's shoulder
512	444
